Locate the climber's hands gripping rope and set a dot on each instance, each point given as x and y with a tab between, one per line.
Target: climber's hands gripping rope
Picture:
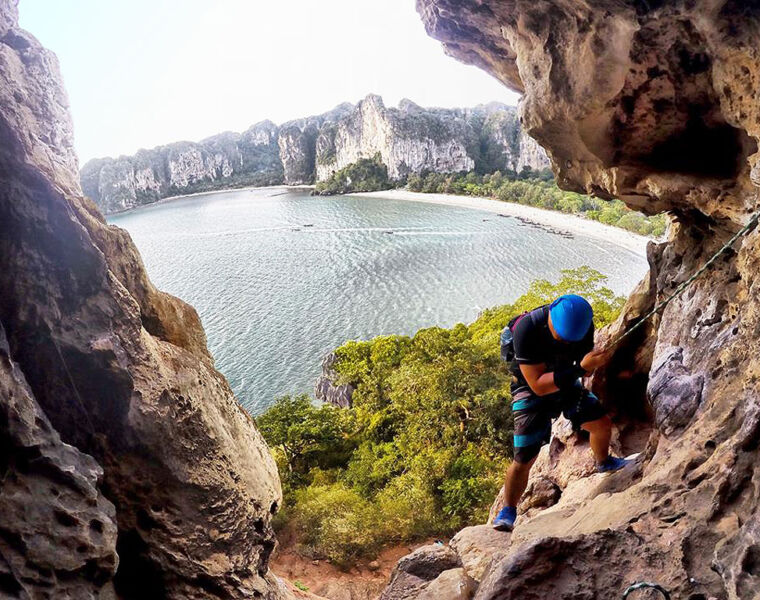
594	359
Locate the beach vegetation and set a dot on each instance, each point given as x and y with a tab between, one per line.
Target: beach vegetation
537	188
365	175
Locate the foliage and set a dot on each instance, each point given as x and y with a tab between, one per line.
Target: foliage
537	188
305	437
422	449
365	175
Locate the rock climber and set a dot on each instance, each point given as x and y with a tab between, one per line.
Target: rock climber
552	349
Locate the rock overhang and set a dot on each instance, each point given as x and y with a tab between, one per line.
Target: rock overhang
649	102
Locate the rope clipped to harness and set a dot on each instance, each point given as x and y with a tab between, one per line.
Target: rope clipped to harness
647	585
743	231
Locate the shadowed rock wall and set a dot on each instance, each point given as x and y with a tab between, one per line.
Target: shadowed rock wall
117	435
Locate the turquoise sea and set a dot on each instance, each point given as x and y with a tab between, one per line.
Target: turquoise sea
280	278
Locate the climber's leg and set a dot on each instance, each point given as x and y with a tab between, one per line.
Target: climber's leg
516	480
589	414
532	430
600	432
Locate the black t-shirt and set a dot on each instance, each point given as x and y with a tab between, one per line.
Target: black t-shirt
534	344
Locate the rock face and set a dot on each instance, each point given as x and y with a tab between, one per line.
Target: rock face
117	435
327	390
654	103
232	159
58	532
410	139
418	570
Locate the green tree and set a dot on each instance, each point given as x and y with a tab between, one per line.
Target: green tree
537	188
365	175
305	436
422	449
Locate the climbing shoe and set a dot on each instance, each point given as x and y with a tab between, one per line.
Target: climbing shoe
505	520
610	464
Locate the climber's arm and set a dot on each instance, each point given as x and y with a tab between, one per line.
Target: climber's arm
539	379
544	382
594	359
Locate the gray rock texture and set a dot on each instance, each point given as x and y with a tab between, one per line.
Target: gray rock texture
654	103
453	584
417	570
674	391
326	389
117	435
477	547
410	139
57	532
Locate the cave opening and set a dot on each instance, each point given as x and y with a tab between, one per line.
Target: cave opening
138	577
702	149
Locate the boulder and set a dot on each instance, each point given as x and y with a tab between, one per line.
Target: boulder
477	547
453	584
414	571
351	590
542	492
586	566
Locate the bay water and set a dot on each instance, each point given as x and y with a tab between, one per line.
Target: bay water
280	277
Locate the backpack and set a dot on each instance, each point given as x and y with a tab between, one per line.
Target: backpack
507	338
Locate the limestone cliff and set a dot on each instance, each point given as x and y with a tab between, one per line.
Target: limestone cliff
127	467
249	158
410	139
654	103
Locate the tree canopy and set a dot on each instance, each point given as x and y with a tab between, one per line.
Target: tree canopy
422	449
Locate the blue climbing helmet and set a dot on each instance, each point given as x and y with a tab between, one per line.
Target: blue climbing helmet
571	317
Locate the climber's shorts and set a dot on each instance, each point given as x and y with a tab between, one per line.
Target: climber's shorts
533	418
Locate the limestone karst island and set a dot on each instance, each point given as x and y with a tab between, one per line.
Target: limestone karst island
420	300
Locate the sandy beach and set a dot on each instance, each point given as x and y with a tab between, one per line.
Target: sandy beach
557	220
572	224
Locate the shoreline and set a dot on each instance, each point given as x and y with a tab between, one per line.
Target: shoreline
564	222
570	223
300	186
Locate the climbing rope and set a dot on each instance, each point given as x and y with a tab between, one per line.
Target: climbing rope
644	585
743	231
74	388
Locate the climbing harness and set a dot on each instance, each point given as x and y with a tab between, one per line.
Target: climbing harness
749	226
644	585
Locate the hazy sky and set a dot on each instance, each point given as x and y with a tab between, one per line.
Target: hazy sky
140	73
